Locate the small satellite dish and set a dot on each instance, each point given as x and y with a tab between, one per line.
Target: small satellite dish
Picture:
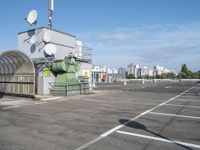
50	49
72	54
47	36
32	17
33	39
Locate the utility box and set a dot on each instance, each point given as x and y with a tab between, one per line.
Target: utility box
33	43
65	43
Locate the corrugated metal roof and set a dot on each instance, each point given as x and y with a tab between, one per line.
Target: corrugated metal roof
15	62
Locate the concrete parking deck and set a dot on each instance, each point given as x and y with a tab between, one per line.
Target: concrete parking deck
136	116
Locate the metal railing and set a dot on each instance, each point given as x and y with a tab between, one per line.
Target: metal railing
66	89
159	80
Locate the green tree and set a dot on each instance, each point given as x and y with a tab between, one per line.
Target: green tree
185	72
199	74
131	76
171	75
195	75
158	76
164	76
184	68
148	77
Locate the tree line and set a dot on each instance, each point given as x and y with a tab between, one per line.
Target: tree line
185	73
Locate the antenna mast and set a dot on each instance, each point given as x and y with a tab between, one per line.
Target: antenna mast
50	12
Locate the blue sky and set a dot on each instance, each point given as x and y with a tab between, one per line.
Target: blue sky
145	32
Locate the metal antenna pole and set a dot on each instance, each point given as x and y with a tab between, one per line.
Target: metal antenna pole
50	12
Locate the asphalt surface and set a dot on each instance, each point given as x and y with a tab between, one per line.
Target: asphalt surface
137	116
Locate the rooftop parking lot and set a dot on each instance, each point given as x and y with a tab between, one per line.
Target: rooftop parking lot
136	116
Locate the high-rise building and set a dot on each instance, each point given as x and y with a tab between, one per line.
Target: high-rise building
122	72
159	70
142	72
133	69
150	72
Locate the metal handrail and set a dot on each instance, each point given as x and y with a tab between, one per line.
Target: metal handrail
66	87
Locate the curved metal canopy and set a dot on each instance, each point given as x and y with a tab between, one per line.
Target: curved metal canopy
17	73
15	62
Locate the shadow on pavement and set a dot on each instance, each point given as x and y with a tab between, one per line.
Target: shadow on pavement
137	125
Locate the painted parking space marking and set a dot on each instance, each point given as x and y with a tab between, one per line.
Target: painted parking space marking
62	100
69	98
122	125
174	115
186	106
186	100
136	103
51	99
160	139
39	103
167	87
23	103
10	107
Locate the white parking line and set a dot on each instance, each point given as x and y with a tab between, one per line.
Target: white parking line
39	103
62	100
52	98
10	107
167	87
69	98
160	139
122	125
174	115
186	100
186	106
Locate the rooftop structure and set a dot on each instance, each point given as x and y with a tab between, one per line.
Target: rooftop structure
28	70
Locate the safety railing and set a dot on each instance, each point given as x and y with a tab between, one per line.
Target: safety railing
159	80
67	89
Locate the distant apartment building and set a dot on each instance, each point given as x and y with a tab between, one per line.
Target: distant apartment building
133	69
144	71
122	72
108	74
150	72
112	71
159	70
139	72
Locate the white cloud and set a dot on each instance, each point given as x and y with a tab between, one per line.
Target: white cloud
168	44
121	37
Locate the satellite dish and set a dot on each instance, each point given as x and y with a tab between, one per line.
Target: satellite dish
33	39
47	36
72	53
32	17
50	49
